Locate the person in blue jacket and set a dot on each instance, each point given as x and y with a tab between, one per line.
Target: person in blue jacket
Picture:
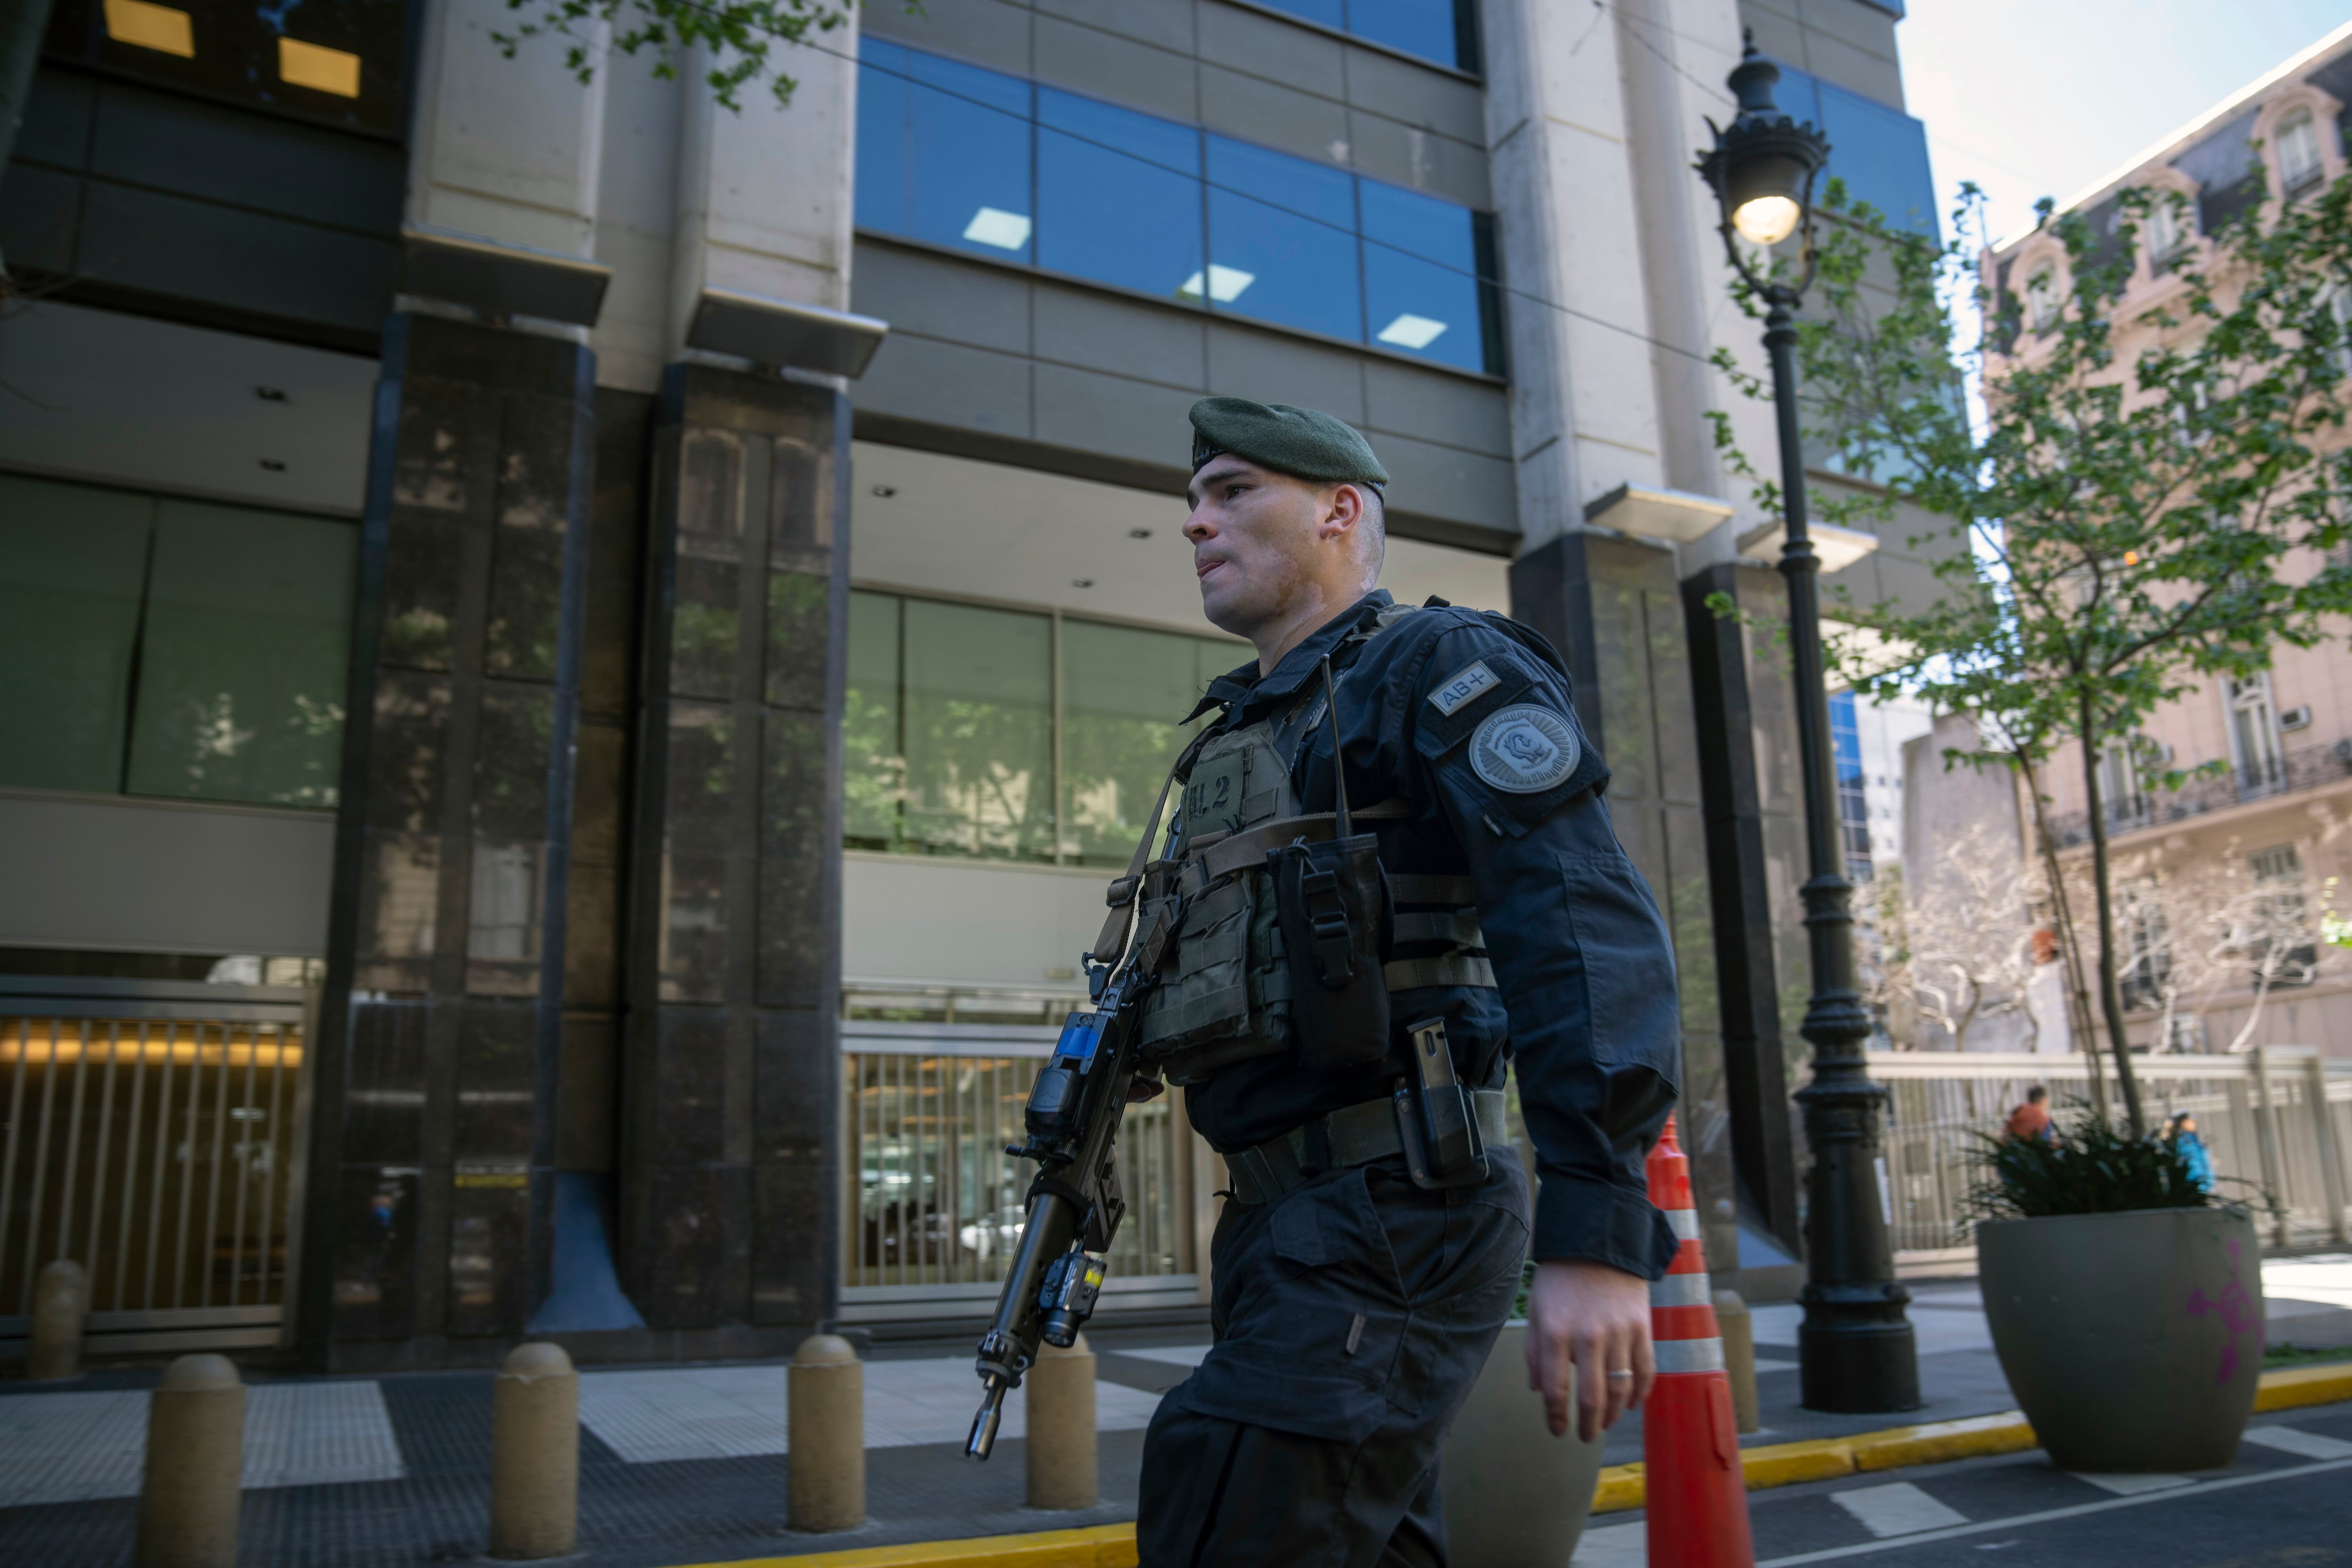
2181	1134
1353	1306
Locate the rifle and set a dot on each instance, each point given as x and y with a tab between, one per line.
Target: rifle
1075	1203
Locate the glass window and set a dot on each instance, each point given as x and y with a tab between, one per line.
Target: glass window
1288	252
72	561
1124	691
943	152
874	763
1428	28
1119	196
241	670
1853	803
947	736
1882	155
946	153
167	647
337	62
1422	291
1432	29
977	692
2298	151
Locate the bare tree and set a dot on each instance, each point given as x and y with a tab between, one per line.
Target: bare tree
1970	938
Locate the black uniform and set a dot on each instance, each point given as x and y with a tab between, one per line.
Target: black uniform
1353	1312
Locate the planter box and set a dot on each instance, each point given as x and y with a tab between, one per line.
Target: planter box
2132	1341
1515	1496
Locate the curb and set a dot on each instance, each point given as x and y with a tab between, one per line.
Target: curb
1939	1442
1101	1546
1621	1487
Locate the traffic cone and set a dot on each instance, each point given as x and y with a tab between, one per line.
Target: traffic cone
1696	1495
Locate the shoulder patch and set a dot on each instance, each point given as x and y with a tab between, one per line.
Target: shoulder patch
1460	687
1523	749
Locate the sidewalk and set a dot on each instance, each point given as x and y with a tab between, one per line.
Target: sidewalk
684	1465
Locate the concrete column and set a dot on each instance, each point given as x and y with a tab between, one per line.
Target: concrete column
60	1308
729	1196
826	1390
2335	1175
1063	1457
431	1171
535	1454
195	1461
1614	608
1745	724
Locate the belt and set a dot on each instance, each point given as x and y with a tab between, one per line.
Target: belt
1352	1135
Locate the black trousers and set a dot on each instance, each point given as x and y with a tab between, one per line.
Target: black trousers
1351	1316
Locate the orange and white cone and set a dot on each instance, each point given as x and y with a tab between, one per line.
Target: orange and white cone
1696	1495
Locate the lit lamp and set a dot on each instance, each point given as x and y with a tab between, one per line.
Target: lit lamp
1855	1346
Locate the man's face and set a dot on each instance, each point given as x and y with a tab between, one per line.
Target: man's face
1256	541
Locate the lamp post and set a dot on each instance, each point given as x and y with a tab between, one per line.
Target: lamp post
1855	1347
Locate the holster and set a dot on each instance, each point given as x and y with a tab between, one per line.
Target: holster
1337	921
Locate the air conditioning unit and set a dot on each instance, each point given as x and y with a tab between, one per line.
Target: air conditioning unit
2159	754
2296	718
2342	752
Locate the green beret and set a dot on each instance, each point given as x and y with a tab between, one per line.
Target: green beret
1304	443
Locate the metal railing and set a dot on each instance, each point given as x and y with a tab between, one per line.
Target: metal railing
2277	1122
2304	768
153	1138
934	1203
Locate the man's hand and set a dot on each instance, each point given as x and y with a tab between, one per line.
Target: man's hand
1595	1319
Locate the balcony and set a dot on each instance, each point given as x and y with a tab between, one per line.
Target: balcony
2310	766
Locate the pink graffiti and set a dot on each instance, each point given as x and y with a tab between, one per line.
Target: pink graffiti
2235	1308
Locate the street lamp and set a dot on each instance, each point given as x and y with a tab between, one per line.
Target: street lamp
1855	1347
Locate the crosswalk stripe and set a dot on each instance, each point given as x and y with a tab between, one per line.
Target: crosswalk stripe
2289	1440
1896	1509
2047	1515
1613	1546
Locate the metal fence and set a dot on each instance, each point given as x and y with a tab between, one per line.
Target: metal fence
153	1139
933	1201
2276	1120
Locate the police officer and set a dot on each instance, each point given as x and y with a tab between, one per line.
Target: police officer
1357	1287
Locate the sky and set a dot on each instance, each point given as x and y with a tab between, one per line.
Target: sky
2035	97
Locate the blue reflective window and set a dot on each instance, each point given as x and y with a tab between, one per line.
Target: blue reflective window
1881	153
1433	30
943	152
988	163
1424	28
1288	252
1422	292
1119	196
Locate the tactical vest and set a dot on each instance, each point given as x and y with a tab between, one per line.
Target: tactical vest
1258	904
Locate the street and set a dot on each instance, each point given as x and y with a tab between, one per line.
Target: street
2286	1501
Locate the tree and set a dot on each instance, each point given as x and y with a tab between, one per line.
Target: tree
1971	945
2118	527
746	30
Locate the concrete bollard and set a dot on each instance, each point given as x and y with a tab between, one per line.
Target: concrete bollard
1739	1357
535	1454
1062	1454
826	1440
195	1461
61	1305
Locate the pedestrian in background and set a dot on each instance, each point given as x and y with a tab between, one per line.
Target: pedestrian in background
2031	1121
2180	1132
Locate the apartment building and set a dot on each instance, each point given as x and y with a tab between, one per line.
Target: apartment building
2222	885
575	659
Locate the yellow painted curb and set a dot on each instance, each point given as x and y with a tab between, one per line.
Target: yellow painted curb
1939	1442
1621	1487
1101	1546
2292	1387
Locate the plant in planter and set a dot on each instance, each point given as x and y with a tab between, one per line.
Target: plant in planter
1515	1496
2125	1302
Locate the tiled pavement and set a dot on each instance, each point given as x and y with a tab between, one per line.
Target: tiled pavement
682	1464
